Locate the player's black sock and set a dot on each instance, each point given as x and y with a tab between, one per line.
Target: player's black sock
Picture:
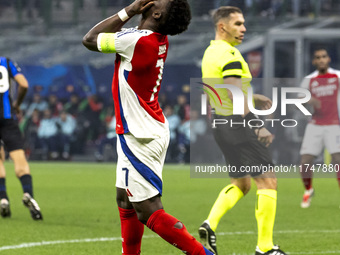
3	193
26	182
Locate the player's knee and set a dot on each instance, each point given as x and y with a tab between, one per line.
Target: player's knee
266	183
122	203
307	159
245	189
21	170
123	200
143	213
145	210
273	184
304	162
143	217
270	183
244	184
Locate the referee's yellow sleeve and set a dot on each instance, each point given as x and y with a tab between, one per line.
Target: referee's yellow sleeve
232	69
106	43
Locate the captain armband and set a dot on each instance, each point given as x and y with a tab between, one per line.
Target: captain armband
106	43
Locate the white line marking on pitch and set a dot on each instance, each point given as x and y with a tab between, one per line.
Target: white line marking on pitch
112	239
43	243
279	232
320	252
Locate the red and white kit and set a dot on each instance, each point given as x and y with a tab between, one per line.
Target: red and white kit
141	126
324	129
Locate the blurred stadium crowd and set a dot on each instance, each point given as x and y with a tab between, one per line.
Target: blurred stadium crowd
70	114
83	127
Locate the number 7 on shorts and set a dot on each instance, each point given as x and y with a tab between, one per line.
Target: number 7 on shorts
126	176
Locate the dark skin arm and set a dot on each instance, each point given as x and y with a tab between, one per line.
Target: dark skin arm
114	24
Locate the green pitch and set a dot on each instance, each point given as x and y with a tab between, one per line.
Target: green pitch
81	217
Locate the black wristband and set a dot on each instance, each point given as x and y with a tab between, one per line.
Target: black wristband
250	117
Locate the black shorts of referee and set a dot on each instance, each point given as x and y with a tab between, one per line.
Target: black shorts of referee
240	146
10	134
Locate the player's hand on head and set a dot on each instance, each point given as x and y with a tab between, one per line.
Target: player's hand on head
264	136
140	6
262	102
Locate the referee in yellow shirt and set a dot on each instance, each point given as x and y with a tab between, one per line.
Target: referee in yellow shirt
241	145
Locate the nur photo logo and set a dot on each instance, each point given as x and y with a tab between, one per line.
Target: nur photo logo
301	97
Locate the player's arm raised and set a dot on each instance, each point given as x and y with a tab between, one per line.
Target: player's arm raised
115	23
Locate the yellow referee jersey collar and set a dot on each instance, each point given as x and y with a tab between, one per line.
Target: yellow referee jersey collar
220	42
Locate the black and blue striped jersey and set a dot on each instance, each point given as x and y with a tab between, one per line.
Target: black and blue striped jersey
8	70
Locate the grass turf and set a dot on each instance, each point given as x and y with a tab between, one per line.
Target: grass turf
78	206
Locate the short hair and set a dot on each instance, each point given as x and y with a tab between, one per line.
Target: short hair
177	19
224	12
319	49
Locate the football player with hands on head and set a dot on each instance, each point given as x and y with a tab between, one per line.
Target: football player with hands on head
143	131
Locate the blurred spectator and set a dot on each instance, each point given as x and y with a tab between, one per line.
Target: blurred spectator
163	100
198	127
31	131
82	129
47	134
66	126
110	138
35	89
182	109
184	142
188	134
92	112
54	105
64	93
37	104
174	122
72	107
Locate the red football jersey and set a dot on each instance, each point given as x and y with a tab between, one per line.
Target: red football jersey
325	88
136	83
